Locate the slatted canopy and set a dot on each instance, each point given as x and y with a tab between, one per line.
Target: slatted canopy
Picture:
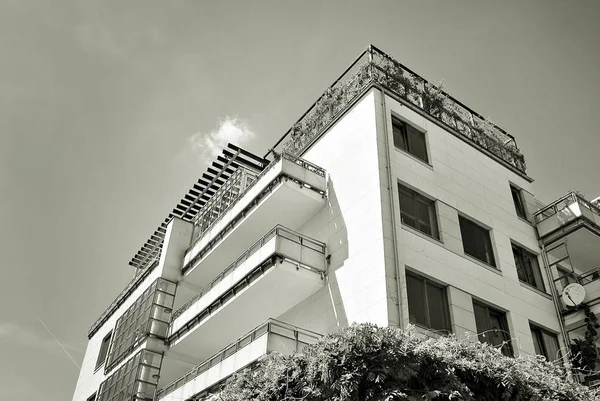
191	204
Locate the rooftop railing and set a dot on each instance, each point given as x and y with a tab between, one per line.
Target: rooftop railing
291	235
271	327
375	68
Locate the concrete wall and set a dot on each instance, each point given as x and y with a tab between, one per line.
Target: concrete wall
463	180
350	225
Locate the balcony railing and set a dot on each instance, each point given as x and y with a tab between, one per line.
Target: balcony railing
280	337
564	210
219	214
374	67
301	240
122	297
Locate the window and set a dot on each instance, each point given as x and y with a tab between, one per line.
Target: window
418	211
92	397
545	343
427	303
103	350
492	327
528	268
409	139
476	241
517	195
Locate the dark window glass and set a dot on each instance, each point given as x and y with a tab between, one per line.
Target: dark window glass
427	303
528	268
409	139
545	343
418	211
492	327
92	397
103	350
476	241
517	196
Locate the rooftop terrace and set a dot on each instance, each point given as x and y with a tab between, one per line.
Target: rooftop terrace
375	68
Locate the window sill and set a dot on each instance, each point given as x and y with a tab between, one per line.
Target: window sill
524	220
536	290
99	367
415	158
429	332
422	234
483	264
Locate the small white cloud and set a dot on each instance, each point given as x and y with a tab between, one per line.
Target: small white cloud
231	129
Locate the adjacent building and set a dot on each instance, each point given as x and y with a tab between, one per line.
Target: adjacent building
389	201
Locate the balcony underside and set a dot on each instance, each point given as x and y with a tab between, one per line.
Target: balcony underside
271	293
288	204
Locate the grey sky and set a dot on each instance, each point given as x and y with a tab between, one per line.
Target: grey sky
100	101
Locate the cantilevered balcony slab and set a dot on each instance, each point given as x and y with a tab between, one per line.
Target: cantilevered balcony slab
282	269
287	192
270	336
567	215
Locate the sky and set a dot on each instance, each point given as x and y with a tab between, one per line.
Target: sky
110	109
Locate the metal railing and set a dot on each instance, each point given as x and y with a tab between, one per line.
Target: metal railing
123	295
270	327
278	157
275	231
562	203
374	67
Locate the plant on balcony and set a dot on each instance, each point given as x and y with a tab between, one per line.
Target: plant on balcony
584	355
366	362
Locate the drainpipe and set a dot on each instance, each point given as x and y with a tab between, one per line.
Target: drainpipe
391	194
557	307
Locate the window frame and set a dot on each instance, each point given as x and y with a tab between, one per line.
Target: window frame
505	330
418	198
424	281
518	201
100	361
492	260
408	133
537	334
526	254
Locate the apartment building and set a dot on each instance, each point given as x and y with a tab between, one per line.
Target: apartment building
388	201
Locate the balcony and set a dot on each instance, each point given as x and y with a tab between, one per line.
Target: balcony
270	336
276	273
565	216
288	192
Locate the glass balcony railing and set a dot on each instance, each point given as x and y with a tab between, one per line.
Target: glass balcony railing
565	210
272	335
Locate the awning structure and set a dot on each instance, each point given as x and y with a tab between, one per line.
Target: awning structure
191	204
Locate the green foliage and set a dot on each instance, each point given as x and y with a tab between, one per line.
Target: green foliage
583	351
366	362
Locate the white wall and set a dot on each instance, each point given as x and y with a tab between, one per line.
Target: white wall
350	225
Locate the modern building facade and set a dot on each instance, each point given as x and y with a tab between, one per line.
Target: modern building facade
389	202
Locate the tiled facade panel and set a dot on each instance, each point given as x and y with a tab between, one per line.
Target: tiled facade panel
463	180
350	225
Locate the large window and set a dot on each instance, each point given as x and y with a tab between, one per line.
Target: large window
528	268
409	139
418	211
517	196
427	303
545	343
103	350
476	241
492	327
149	314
